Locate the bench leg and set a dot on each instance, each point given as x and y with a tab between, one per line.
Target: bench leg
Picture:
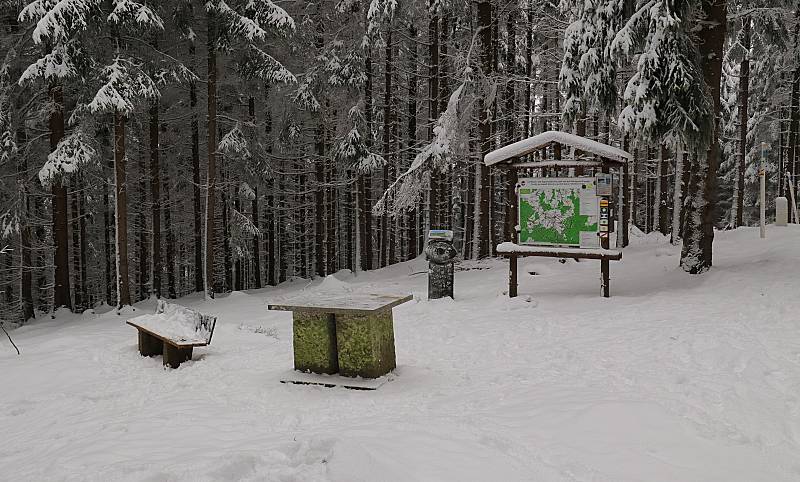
314	341
149	345
365	344
174	356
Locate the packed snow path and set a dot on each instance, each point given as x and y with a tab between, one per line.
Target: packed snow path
675	377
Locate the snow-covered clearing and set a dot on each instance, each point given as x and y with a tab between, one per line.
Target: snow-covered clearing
675	377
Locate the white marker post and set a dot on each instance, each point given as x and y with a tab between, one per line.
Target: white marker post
762	176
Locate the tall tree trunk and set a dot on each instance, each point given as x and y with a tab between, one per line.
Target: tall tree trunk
251	105
76	247
677	196
413	250
155	194
274	242
170	261
108	223
485	24
366	191
387	143
121	207
61	288
199	262
25	232
744	95
226	232
143	264
211	173
434	219
511	124
696	255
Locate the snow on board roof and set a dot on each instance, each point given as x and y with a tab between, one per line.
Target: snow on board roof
538	141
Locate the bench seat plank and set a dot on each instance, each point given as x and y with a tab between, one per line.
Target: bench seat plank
511	249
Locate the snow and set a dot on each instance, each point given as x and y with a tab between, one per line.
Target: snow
175	322
526	146
676	377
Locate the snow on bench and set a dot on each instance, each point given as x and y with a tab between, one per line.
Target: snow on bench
173	331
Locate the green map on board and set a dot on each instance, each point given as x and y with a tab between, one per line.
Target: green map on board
550	212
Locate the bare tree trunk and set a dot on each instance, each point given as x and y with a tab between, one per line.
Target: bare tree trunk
199	262
76	248
155	194
413	224
677	197
744	95
170	261
387	143
211	173
121	206
698	240
434	220
485	24
511	124
25	232
366	191
61	288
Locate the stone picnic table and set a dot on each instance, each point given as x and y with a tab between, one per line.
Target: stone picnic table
349	334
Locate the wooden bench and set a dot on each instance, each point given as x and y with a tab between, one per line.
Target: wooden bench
513	251
173	331
349	334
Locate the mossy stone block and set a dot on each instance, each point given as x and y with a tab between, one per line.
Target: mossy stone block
314	342
366	344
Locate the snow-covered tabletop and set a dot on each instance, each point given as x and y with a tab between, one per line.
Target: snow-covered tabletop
343	303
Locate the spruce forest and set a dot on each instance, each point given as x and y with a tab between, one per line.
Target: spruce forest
163	148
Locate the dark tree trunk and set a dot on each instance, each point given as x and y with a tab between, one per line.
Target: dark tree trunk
143	264
413	250
387	143
121	207
434	212
744	96
25	232
273	215
198	214
485	24
366	191
169	265
61	288
211	173
108	223
155	194
76	246
511	124
696	255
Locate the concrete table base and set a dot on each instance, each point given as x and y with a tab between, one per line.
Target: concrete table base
350	335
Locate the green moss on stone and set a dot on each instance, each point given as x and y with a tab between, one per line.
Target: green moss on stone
314	342
365	344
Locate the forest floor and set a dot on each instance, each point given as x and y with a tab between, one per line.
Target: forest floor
674	378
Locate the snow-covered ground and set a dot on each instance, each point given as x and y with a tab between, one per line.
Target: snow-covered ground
674	378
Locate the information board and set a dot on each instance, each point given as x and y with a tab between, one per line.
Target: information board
560	211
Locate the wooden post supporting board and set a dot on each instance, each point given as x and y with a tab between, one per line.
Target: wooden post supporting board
512	277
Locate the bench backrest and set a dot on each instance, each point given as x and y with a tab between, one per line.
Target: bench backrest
202	324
